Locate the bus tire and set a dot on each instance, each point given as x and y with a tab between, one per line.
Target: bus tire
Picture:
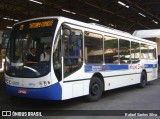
143	80
95	89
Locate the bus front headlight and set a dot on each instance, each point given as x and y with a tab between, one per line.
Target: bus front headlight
8	81
44	83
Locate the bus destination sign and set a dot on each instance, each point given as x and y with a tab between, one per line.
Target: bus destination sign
40	24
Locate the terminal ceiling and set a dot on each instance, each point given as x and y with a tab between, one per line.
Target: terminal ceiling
126	15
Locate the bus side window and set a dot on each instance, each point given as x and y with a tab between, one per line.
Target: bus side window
144	51
152	53
135	52
93	48
111	50
124	51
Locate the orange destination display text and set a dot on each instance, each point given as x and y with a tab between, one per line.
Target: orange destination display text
40	24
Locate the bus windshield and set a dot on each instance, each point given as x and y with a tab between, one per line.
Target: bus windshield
5	38
29	48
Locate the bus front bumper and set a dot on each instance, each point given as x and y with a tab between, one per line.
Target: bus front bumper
53	92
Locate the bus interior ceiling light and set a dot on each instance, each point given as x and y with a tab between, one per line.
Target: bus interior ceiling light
36	1
123	4
64	10
93	19
142	14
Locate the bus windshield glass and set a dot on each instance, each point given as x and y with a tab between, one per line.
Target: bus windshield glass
29	48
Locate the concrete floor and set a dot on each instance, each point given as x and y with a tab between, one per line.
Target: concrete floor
124	99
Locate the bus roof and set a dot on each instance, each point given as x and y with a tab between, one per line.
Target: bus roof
92	26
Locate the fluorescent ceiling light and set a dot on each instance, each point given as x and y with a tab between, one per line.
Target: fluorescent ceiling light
36	1
111	24
68	11
142	14
5	18
73	13
10	19
93	19
8	27
65	10
123	4
155	21
16	20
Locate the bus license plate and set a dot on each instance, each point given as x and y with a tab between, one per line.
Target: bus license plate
22	91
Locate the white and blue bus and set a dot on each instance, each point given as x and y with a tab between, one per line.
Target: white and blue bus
85	59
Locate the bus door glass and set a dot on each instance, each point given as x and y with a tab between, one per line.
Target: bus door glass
72	51
57	55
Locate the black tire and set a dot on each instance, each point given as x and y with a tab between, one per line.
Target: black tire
143	81
95	89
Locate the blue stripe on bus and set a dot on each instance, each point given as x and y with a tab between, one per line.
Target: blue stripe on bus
150	65
53	92
115	67
94	68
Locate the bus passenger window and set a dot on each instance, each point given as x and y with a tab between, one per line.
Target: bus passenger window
144	51
110	50
124	51
152	53
135	52
94	48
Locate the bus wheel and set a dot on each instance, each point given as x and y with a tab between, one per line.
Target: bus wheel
143	80
95	89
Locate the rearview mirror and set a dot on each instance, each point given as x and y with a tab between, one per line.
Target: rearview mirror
66	32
